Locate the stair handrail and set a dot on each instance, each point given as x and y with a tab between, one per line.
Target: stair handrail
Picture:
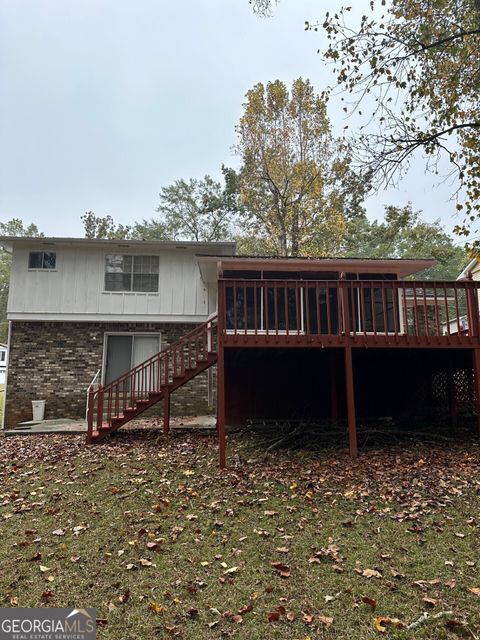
205	326
88	391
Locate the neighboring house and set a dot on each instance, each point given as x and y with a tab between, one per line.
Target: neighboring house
79	306
3	362
315	339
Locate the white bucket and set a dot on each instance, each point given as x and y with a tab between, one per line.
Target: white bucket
38	409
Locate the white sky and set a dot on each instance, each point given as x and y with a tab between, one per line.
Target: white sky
103	102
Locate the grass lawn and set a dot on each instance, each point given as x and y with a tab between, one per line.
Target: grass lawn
287	546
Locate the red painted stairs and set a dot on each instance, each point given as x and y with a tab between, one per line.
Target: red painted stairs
113	405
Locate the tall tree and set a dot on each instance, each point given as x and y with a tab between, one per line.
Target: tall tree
16	228
199	210
103	227
411	74
404	234
296	184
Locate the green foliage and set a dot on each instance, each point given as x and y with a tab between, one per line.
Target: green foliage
296	185
414	72
103	228
404	234
410	71
15	228
198	210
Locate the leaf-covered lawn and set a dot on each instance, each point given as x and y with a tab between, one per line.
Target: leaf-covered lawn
295	546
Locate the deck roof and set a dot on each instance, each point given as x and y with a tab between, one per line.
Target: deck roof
401	267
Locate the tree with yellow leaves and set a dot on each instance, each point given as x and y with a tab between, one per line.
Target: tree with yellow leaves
296	185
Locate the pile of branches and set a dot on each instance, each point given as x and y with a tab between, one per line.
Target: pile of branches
321	434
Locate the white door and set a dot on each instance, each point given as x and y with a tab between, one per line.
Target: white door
145	347
127	351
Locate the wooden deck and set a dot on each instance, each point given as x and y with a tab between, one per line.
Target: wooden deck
355	313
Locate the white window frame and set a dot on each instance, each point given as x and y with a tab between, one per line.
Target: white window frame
131	291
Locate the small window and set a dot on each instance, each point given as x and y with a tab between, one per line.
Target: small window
131	273
2	356
42	260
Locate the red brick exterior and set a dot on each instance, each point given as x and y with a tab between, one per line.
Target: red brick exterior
56	361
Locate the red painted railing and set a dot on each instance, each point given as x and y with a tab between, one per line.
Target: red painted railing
149	380
311	308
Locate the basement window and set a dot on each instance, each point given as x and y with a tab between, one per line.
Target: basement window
131	273
42	260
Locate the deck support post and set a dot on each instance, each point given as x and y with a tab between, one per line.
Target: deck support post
222	446
166	413
100	407
91	401
352	423
333	389
476	383
221	407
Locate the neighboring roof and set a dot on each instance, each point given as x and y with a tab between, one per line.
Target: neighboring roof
224	248
401	267
473	265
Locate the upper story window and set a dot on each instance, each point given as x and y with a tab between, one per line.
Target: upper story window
131	273
42	260
2	356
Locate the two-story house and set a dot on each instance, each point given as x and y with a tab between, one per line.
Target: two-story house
80	307
315	339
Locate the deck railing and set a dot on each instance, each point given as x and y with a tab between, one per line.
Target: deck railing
383	308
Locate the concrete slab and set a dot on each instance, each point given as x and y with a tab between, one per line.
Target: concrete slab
72	427
195	422
59	426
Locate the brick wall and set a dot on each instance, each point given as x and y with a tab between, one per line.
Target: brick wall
56	361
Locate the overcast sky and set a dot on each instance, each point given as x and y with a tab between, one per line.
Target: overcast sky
103	102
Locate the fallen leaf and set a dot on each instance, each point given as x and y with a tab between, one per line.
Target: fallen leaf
232	570
371	573
282	569
371	601
155	607
325	620
58	532
381	623
475	590
145	563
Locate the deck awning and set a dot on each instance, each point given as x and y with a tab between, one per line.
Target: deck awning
209	265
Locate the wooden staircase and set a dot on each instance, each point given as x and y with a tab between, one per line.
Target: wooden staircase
113	405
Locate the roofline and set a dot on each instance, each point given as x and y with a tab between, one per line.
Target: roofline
467	272
9	241
395	265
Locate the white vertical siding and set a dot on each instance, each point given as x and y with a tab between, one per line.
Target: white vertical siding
76	287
